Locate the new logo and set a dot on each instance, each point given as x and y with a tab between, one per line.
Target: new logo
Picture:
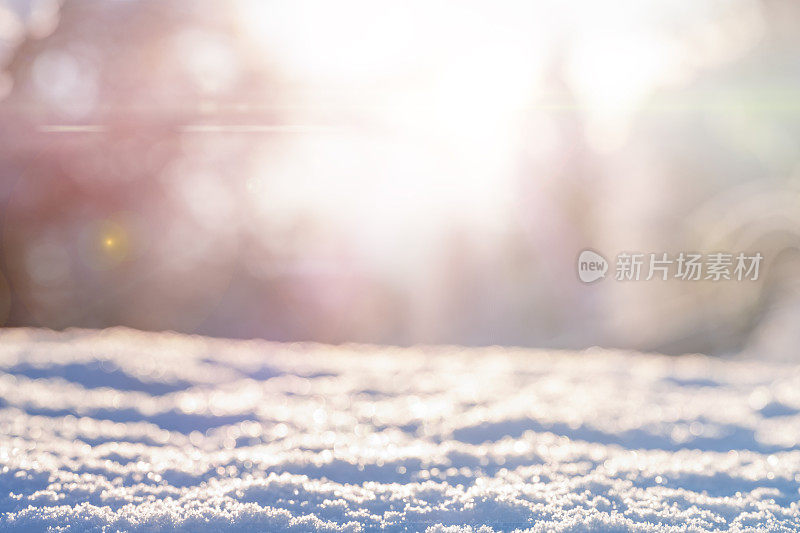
591	266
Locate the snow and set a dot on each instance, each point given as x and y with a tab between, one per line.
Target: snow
124	430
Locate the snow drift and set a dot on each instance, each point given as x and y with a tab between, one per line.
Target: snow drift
122	430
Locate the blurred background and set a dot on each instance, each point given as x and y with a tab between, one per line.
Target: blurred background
400	172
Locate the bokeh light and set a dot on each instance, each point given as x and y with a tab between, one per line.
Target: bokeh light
399	173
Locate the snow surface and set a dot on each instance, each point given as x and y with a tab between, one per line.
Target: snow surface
122	430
